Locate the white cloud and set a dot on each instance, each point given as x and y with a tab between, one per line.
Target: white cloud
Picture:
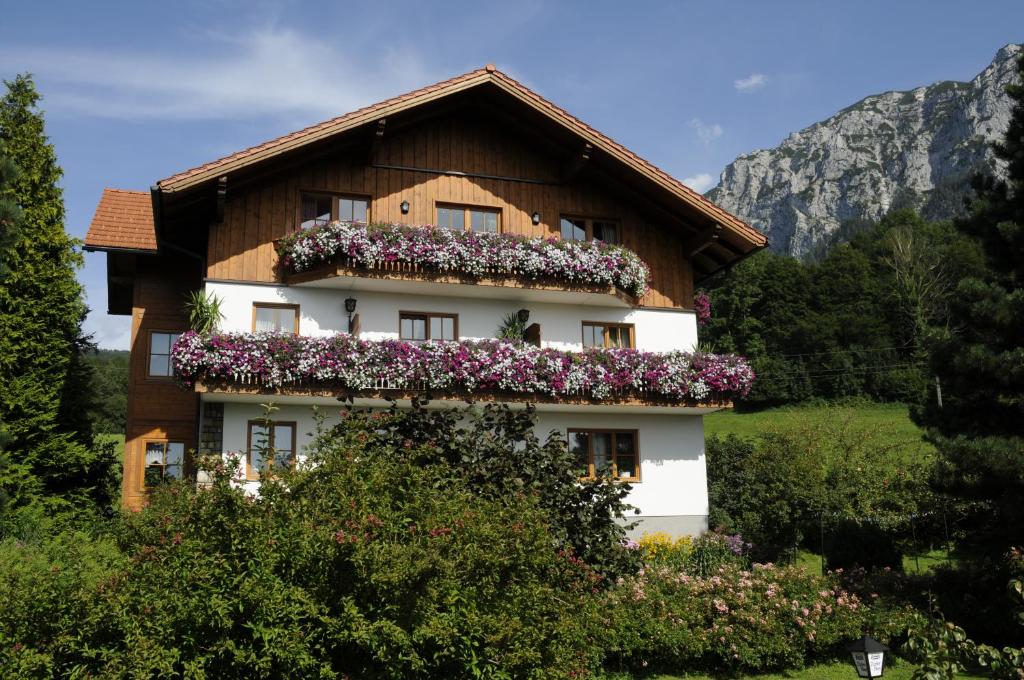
700	182
270	72
755	81
706	133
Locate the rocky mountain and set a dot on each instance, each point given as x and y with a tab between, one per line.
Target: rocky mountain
917	149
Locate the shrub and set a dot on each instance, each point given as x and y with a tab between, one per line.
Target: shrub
378	569
783	488
660	549
765	618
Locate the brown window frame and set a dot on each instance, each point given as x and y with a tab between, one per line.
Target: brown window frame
591	472
149	354
606	325
166	442
277	305
588	226
250	475
467	220
335	197
428	316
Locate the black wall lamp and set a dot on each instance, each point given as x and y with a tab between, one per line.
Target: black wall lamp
404	205
523	315
535	217
350	307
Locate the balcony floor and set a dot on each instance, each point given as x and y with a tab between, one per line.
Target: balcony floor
237	394
416	283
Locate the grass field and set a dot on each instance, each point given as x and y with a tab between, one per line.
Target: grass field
889	422
832	671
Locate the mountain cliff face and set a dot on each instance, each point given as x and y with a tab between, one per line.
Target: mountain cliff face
898	149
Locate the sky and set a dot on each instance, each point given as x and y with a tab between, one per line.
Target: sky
136	91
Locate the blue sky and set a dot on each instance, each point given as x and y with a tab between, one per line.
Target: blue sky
136	91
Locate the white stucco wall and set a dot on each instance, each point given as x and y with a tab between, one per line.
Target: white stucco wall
672	493
322	313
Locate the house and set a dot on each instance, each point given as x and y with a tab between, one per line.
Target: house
535	214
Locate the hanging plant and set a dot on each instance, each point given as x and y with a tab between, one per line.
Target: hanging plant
702	305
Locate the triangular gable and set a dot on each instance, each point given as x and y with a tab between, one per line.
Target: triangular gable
752	238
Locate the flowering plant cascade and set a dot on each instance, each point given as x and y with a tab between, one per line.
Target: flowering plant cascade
473	254
276	360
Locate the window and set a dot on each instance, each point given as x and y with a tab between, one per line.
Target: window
586	229
164	461
606	231
160	343
427	326
275	318
573	229
598	334
271	447
324	208
352	209
316	210
462	217
607	452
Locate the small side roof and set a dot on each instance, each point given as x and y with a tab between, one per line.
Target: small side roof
123	221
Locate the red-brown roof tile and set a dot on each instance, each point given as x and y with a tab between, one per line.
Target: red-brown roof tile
123	220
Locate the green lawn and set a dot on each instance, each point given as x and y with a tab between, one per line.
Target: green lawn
832	671
890	422
118	440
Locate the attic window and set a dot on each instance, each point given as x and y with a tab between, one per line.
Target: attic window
318	209
464	217
315	210
587	229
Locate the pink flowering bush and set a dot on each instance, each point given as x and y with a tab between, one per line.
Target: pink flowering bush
750	620
468	253
702	306
346	362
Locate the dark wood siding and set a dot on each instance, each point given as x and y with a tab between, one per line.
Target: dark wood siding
158	409
240	247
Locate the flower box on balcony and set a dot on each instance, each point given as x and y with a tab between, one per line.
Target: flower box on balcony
461	256
342	364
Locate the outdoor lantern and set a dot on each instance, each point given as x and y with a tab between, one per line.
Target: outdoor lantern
523	315
868	656
350	305
405	207
535	217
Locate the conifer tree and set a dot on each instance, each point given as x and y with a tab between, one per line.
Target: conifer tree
979	430
41	315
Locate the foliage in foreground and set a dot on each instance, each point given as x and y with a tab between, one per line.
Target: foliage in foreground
737	619
365	565
417	544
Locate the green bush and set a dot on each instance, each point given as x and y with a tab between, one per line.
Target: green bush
737	620
368	564
785	488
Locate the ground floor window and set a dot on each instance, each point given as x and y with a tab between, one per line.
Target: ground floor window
607	452
164	461
271	446
427	326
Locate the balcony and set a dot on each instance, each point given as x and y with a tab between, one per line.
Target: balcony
345	366
383	256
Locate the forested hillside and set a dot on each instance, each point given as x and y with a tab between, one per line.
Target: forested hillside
851	325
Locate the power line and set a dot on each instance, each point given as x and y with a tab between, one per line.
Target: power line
845	351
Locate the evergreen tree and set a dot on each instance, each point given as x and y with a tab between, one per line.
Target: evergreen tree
41	315
979	430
